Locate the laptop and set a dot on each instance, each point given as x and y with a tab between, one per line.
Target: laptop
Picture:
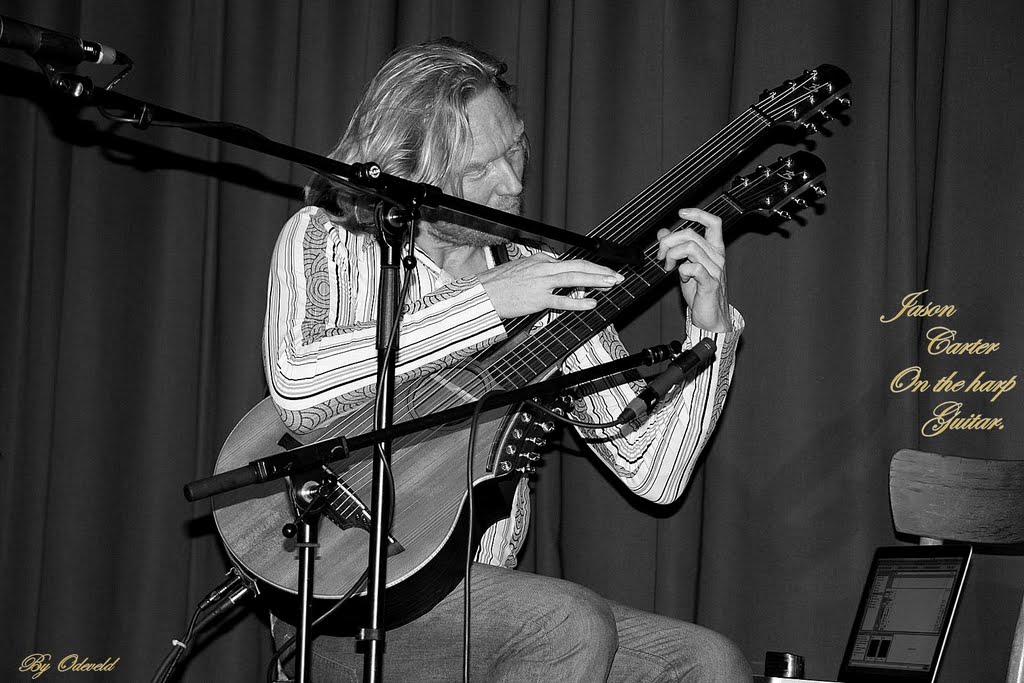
904	616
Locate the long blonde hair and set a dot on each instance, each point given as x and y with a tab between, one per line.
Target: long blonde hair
412	118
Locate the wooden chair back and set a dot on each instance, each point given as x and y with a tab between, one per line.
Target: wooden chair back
947	498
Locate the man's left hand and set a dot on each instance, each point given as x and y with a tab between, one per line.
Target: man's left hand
700	262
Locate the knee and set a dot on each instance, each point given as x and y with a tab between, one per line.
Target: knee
718	660
583	625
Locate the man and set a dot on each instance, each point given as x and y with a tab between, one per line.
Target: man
441	113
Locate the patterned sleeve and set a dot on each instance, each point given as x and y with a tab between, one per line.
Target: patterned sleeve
655	458
319	341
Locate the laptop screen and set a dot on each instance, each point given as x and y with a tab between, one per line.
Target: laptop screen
905	614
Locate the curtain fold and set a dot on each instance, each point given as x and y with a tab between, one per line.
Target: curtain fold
134	267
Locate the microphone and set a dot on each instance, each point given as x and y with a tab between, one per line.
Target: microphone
703	352
44	44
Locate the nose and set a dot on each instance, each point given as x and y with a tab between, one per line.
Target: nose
510	178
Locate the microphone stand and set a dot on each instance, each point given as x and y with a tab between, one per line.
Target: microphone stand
399	208
389	237
361	178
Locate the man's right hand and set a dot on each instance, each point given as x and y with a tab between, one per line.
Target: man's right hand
525	286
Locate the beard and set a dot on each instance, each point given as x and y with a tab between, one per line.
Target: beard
460	234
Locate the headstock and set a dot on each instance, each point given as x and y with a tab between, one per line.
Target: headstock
818	93
794	179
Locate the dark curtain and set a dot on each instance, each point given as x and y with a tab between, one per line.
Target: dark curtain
134	268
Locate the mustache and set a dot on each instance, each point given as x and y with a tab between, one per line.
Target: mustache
510	204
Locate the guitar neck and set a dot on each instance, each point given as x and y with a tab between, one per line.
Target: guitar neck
548	346
768	190
636	220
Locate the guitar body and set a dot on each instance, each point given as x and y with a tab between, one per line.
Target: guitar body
428	534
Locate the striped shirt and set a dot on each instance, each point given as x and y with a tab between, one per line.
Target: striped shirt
320	357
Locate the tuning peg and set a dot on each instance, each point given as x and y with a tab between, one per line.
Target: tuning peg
802	203
844	100
537	441
768	200
525	418
528	463
825	116
785	215
810	128
511	449
517	434
819	190
547	427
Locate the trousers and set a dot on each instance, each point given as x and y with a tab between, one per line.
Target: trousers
527	627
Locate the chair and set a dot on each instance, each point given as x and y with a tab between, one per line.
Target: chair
947	498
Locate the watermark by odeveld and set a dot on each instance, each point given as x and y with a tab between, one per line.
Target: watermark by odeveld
39	663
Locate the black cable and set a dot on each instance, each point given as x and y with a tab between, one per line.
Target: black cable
213	606
474	423
178	648
577	423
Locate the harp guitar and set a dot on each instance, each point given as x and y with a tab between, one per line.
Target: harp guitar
428	534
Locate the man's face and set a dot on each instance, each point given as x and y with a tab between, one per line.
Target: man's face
494	175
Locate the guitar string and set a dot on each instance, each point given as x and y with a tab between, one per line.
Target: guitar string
450	372
362	478
359	479
673	178
625	213
341	502
669	184
572	325
524	364
565	322
783	105
776	108
720	204
525	353
629	212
